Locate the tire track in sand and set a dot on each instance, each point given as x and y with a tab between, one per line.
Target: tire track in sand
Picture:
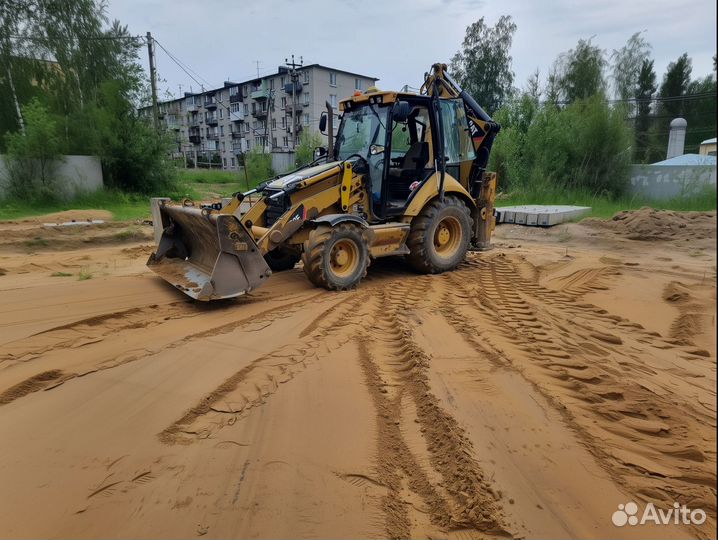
612	390
423	456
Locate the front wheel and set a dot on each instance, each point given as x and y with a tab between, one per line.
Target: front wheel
439	236
336	258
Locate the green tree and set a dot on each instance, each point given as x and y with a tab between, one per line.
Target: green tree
483	64
675	84
580	72
87	71
700	112
304	152
644	91
627	64
33	154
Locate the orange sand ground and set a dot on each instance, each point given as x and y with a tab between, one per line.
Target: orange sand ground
526	394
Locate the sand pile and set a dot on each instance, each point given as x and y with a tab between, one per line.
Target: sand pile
651	224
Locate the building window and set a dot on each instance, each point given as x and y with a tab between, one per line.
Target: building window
274	124
357	84
333	100
285	141
234	107
244	91
274	142
284	122
284	103
231	160
281	82
332	78
234	91
221	131
306	99
223	146
246	127
221	111
306	77
246	108
306	119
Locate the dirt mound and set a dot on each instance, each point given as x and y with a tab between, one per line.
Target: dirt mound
651	224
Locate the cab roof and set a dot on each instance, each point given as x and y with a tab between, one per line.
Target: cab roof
375	95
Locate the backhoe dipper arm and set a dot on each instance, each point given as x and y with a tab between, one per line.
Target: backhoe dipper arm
482	127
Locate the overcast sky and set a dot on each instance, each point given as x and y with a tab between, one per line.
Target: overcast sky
397	40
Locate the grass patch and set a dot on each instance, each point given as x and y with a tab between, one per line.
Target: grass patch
131	233
123	206
60	274
210	176
605	207
37	242
84	275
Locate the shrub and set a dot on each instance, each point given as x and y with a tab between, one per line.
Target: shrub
32	156
585	146
259	165
304	153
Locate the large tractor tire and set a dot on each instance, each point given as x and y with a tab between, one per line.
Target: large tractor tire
439	236
336	258
281	259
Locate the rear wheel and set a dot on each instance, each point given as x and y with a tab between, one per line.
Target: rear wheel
439	236
336	258
281	259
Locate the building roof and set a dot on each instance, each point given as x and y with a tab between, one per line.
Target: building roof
709	141
687	159
281	70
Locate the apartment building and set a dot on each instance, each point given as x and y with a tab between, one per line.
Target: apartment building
269	112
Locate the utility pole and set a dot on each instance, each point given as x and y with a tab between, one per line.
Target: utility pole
153	79
295	77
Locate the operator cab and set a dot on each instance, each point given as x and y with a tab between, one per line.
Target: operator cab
393	142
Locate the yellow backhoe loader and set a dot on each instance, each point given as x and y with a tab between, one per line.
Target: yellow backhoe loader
405	177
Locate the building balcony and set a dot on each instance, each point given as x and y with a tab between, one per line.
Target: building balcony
237	147
236	134
212	137
236	116
291	108
297	88
210	103
194	139
193	122
259	112
212	119
262	93
191	107
236	98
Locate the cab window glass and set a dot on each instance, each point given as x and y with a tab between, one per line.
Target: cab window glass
458	146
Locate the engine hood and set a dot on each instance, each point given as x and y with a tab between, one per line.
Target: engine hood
288	181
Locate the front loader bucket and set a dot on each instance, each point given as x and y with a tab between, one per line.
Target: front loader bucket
207	256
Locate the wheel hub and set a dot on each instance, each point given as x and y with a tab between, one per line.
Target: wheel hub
443	235
344	257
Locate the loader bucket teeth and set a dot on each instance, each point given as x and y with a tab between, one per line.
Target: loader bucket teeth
207	256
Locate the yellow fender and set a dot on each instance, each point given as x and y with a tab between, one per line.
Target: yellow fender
430	190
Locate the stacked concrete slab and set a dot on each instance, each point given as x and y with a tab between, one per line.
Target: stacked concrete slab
539	215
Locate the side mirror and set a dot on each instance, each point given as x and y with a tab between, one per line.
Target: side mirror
401	111
320	151
323	123
376	149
